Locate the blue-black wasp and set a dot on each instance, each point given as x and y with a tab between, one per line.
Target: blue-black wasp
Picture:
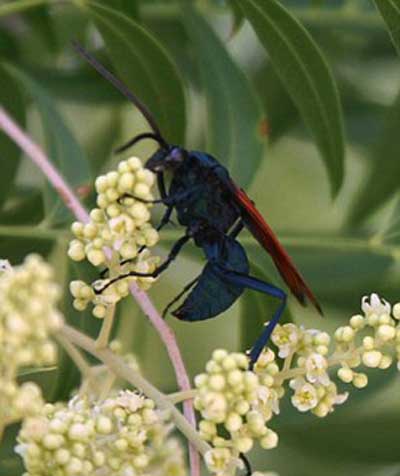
213	210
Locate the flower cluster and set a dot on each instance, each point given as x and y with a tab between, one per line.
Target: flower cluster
117	236
28	315
236	404
123	435
307	351
232	401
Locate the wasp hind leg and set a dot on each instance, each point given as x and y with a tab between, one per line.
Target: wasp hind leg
185	290
249	282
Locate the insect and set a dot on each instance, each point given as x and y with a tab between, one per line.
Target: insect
213	210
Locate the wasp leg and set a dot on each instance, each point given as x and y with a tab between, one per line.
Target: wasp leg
139	199
249	282
172	255
164	221
247	464
236	229
176	298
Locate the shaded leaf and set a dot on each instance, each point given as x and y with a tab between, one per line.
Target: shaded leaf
11	100
17	6
235	118
128	7
40	21
390	11
83	85
10	462
304	72
63	150
382	181
145	67
238	17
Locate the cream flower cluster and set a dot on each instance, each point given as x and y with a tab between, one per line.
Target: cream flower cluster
306	350
123	435
28	314
236	404
117	230
232	401
371	339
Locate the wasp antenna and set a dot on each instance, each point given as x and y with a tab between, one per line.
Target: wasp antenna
138	138
117	83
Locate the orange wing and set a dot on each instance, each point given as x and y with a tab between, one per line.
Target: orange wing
266	237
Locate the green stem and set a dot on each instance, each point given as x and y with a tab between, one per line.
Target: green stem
344	17
179	397
32	232
106	328
75	355
338	17
121	369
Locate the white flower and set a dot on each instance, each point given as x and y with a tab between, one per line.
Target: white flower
286	337
341	398
316	369
305	397
221	460
373	304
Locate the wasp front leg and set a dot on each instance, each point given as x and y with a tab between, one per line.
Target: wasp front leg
172	255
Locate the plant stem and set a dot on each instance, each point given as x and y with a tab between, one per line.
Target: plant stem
33	151
36	232
166	334
106	328
76	356
120	368
179	397
338	17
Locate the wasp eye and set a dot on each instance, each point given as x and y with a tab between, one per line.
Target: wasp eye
176	155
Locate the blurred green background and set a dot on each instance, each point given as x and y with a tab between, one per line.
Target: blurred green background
219	82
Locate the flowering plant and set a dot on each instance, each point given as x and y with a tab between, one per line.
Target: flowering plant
93	380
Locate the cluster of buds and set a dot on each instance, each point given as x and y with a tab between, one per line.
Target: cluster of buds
236	404
232	401
117	236
28	316
123	435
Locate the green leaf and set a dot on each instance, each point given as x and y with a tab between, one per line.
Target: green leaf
18	6
390	12
83	85
63	150
304	72
235	121
11	100
382	181
10	462
145	67
238	17
40	21
128	7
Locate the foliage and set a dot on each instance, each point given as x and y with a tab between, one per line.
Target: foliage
278	91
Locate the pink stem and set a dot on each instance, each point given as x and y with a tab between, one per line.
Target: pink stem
166	334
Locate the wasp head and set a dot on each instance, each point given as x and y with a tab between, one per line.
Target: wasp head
166	159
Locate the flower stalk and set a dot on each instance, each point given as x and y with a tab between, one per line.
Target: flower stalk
35	153
122	370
